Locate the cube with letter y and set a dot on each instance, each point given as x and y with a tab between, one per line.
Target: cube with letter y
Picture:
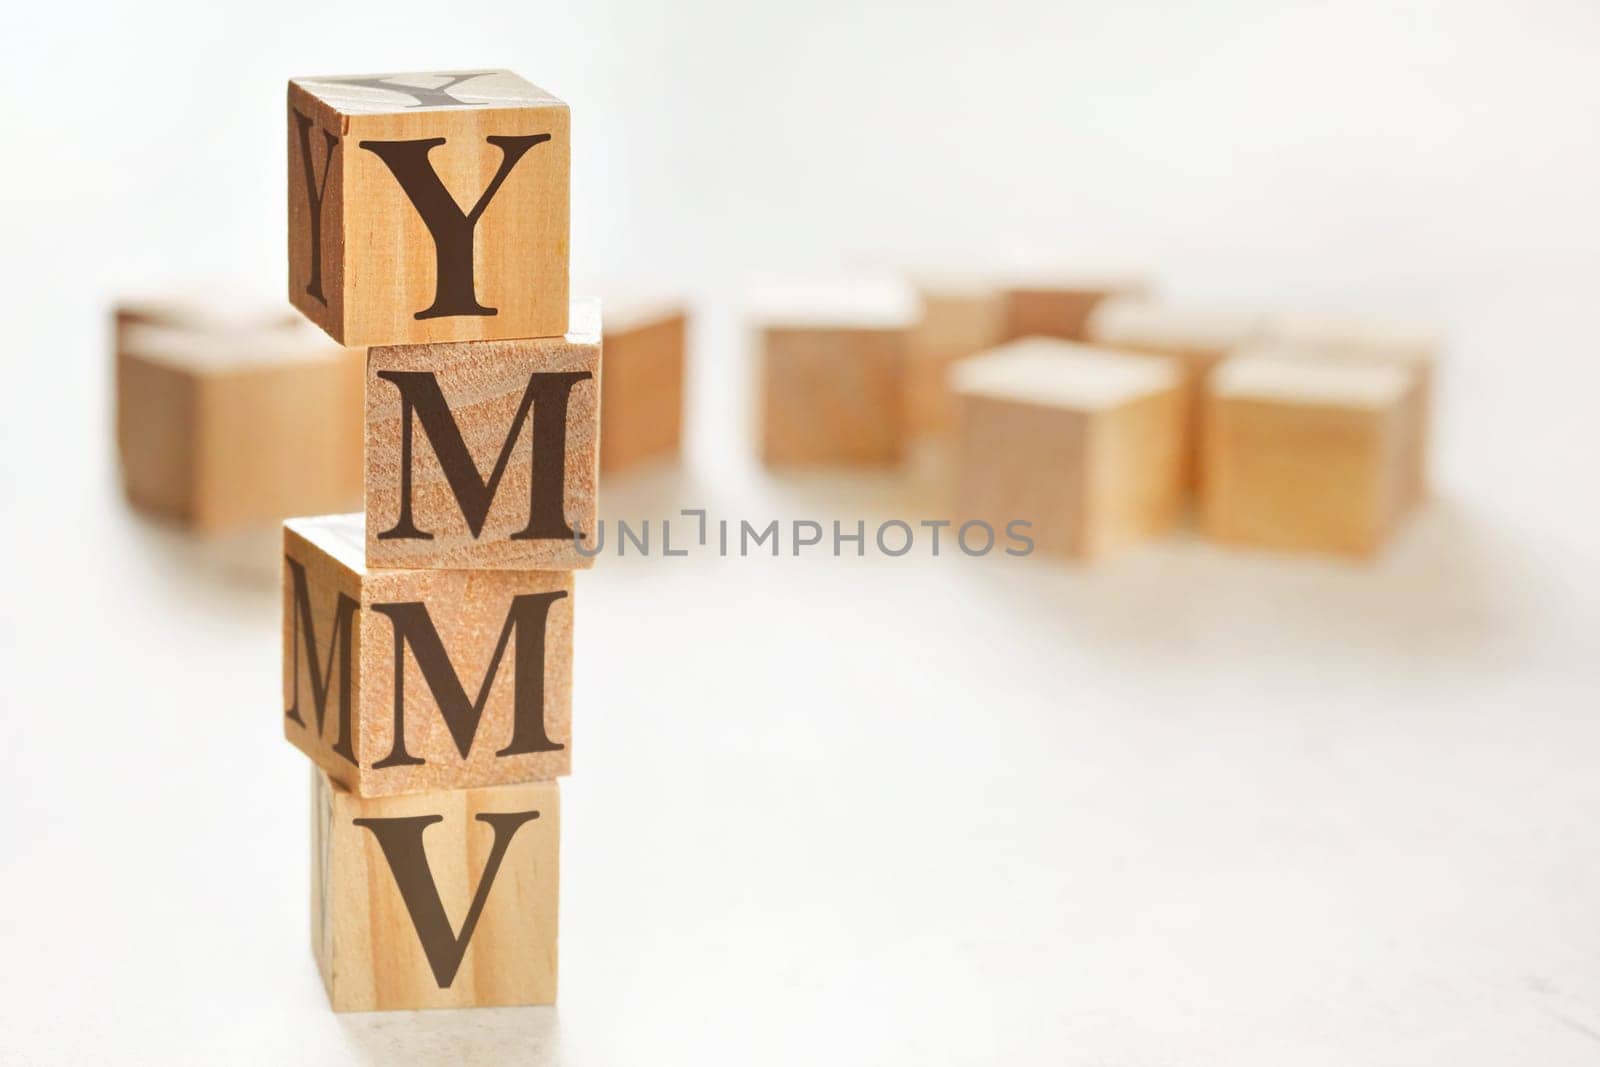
485	454
427	208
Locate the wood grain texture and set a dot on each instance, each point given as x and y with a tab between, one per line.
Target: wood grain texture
1198	336
379	261
1352	338
221	430
957	321
469	612
1084	445
833	354
485	385
368	943
1308	456
833	396
641	408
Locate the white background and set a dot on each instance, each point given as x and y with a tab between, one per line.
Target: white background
1191	807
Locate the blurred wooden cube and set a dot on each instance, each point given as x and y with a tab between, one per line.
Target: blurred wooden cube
1363	340
642	389
1306	454
1399	342
1198	336
436	900
220	429
1084	444
833	371
961	316
1059	302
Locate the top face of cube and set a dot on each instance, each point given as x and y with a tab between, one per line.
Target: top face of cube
1156	326
1046	372
428	208
844	302
1289	378
385	94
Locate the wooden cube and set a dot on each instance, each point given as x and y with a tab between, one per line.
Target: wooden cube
485	453
1058	303
404	681
1084	445
1357	339
1307	455
833	371
428	208
221	431
436	900
961	316
641	403
1198	336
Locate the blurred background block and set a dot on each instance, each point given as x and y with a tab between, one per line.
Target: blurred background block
641	379
1084	444
961	314
1197	335
1360	338
230	420
1308	455
833	355
202	309
1057	301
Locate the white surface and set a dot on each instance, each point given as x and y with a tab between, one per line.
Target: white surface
1042	370
1194	807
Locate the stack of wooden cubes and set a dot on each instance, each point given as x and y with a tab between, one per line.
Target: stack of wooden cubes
427	650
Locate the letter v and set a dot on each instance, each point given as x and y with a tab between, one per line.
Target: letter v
401	842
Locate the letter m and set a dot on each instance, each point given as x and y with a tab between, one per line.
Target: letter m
303	634
545	401
526	620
